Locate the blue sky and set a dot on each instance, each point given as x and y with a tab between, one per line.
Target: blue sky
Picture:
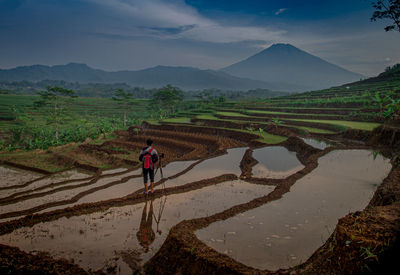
208	34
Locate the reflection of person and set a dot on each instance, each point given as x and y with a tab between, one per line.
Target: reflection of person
146	234
148	156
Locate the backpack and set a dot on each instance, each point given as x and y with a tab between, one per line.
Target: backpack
148	160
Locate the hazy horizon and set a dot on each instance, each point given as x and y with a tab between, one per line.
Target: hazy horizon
139	34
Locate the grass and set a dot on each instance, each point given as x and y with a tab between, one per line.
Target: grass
37	159
208	116
84	111
153	121
270	139
264	136
368	126
177	120
285	113
231	114
310	130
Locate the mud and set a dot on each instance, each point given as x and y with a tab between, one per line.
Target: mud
133	185
242	138
319	125
338	111
25	167
121	229
41	183
272	129
385	135
286	232
336	256
19	262
316	115
13	177
182	243
182	252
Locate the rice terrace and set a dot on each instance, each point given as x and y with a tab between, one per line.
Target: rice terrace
249	186
281	163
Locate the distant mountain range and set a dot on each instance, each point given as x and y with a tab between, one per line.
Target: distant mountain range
287	64
182	77
281	67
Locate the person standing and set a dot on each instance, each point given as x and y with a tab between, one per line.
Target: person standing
148	157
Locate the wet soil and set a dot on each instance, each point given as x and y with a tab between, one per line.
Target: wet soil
315	115
13	177
339	111
121	229
19	262
286	232
27	186
345	252
319	125
182	252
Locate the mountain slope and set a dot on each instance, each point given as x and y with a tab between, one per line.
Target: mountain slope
183	77
287	64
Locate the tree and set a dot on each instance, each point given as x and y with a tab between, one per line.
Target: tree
389	9
124	99
169	97
54	96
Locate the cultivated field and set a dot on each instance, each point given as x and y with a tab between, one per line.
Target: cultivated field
299	184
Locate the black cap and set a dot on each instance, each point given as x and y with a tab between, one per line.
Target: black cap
149	142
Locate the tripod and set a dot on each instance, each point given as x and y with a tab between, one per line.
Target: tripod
160	167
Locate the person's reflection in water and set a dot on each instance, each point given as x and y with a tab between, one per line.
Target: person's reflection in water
146	234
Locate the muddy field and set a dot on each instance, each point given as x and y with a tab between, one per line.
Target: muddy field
224	203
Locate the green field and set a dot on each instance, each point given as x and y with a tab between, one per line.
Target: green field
353	106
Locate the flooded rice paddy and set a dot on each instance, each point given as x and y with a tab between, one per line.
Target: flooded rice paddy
275	162
286	232
11	176
319	144
113	184
279	234
96	239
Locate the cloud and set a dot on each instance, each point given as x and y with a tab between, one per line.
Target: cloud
280	11
173	31
176	19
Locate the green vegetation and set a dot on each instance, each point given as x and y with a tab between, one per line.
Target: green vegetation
361	105
125	100
231	114
30	122
166	101
311	130
177	120
269	138
249	112
368	126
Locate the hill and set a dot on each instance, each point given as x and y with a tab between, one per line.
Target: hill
183	77
289	65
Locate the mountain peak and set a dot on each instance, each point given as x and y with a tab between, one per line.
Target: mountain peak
74	65
287	64
280	47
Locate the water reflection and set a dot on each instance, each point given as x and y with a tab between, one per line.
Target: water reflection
146	235
163	201
92	239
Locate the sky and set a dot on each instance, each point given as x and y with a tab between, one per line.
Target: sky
207	34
